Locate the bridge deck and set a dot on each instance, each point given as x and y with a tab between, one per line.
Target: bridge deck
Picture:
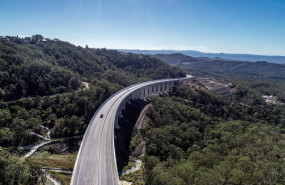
96	162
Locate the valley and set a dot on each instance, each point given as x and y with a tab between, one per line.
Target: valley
42	130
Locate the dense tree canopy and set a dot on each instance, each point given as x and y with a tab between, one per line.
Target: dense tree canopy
226	68
31	67
195	137
14	171
50	74
43	83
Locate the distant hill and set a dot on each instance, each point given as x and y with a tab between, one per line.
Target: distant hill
179	58
235	68
241	57
229	68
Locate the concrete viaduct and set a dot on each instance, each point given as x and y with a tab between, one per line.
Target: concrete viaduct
96	161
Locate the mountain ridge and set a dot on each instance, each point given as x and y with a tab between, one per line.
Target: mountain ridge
231	68
228	56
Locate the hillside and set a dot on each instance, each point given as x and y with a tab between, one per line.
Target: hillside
38	66
46	71
241	69
197	137
175	58
227	68
53	85
224	56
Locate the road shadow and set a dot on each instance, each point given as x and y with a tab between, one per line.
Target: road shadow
124	133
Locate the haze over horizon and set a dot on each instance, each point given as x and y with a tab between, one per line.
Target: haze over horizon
251	27
185	50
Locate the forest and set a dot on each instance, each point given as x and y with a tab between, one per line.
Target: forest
224	67
197	137
194	136
264	77
43	83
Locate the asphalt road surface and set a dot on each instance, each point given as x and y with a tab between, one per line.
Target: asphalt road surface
96	161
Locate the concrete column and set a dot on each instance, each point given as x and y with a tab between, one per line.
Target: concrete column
117	122
163	87
138	94
135	95
159	88
120	111
142	93
156	88
150	89
167	86
153	89
123	104
129	98
132	96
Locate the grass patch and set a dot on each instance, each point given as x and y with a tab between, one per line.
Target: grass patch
136	177
63	178
46	159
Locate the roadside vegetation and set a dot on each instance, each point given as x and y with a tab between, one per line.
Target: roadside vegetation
63	178
14	170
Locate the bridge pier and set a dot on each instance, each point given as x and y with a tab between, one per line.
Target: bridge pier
145	92
163	87
155	88
142	92
150	90
167	86
138	94
120	110
117	122
159	88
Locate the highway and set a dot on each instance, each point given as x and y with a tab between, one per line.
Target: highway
96	161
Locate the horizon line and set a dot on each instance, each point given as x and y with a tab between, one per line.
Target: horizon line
230	53
213	52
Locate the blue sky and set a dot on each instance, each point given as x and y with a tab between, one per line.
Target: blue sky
229	26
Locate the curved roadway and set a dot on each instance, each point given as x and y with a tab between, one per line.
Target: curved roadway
96	161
